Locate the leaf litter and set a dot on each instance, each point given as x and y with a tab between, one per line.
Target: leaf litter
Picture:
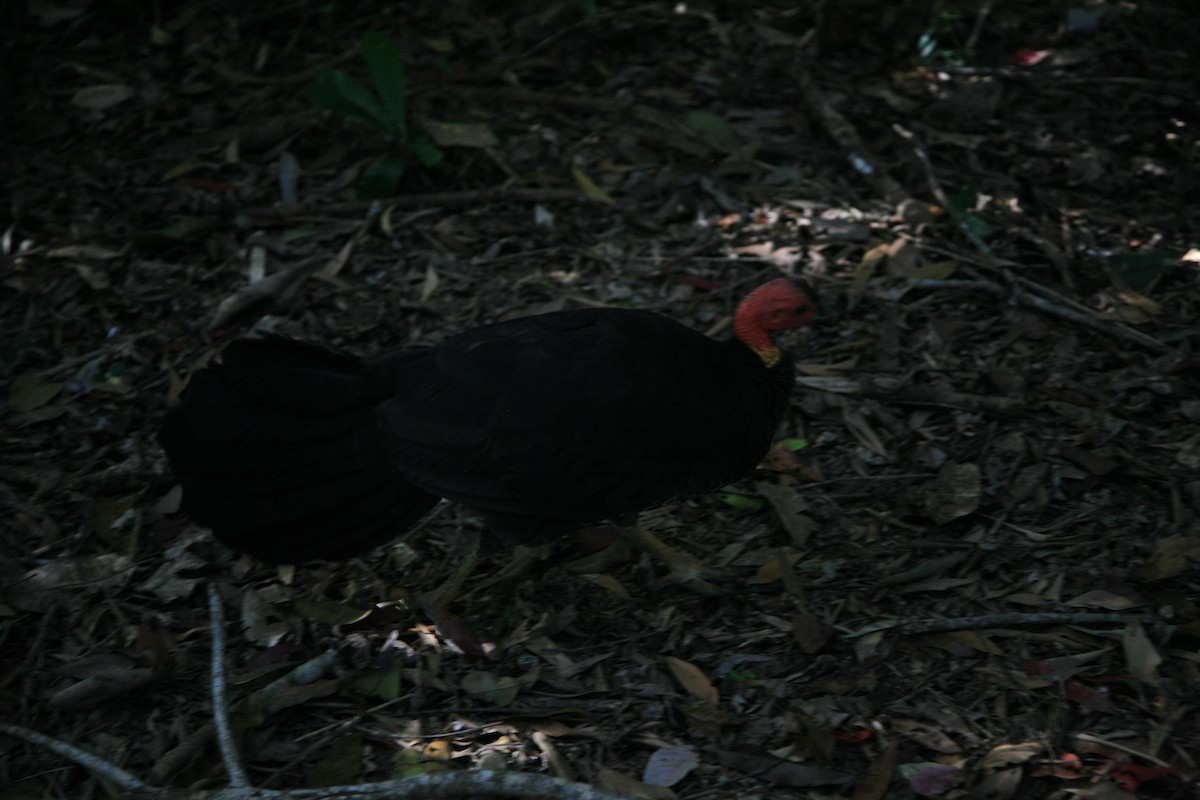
984	440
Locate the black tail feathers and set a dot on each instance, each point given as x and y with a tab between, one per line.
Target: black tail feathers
278	452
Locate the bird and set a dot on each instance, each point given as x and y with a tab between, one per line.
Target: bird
292	451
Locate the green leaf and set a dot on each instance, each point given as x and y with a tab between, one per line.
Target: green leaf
1139	269
977	225
440	45
795	444
381	177
428	153
329	611
386	66
178	232
383	683
112	522
347	96
713	130
30	390
340	764
744	502
963	200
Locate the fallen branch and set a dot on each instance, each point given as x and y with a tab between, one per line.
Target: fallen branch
220	708
95	764
434	786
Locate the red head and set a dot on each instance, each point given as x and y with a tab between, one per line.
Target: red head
775	306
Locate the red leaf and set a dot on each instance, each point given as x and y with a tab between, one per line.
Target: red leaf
1029	58
1087	696
1129	776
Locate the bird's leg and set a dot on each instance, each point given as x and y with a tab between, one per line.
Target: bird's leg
436	603
685	569
436	600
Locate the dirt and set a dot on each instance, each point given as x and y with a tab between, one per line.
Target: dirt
971	567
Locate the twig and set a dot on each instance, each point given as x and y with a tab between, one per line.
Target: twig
254	217
101	767
1022	297
1015	292
434	786
229	754
1087	737
898	390
935	186
1014	619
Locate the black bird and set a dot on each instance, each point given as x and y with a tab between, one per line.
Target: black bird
291	451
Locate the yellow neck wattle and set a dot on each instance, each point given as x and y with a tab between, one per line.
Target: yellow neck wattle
770	355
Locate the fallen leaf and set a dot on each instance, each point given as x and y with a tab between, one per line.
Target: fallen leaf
460	134
1104	599
102	686
667	766
330	612
874	784
789	505
1017	753
98	98
486	686
619	782
340	764
1140	654
712	130
30	390
810	633
934	780
589	188
954	493
693	679
430	284
1089	697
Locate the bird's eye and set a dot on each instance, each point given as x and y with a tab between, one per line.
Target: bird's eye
800	309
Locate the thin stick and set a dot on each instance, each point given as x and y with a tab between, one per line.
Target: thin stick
1022	297
229	754
99	766
1014	619
842	131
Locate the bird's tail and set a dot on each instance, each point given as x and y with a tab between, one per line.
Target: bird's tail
278	452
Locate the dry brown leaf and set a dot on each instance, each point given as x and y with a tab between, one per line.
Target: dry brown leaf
608	778
1016	753
693	680
954	493
789	505
99	687
1104	599
927	735
810	633
874	785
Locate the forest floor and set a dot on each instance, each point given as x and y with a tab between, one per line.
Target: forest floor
970	569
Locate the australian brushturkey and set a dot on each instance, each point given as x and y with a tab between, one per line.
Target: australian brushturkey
291	451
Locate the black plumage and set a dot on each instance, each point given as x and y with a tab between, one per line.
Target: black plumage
291	451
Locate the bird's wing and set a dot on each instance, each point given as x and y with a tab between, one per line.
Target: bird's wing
576	415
